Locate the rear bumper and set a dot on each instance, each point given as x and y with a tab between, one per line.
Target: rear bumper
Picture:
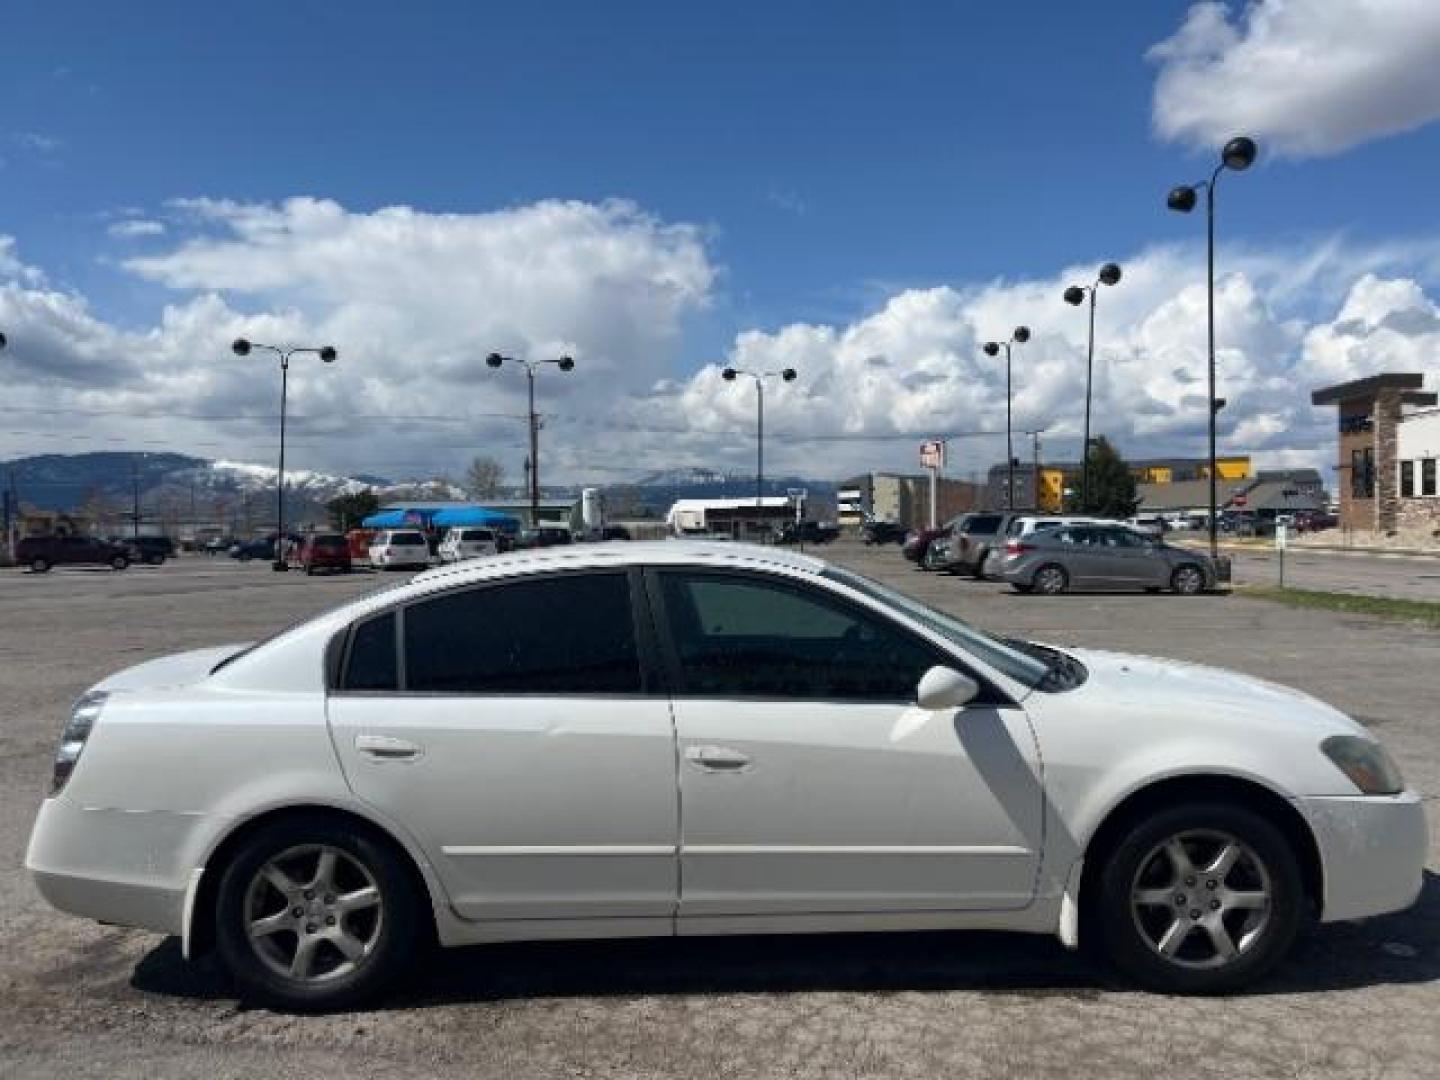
1372	849
112	865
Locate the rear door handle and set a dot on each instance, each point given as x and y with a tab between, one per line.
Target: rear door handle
386	748
716	758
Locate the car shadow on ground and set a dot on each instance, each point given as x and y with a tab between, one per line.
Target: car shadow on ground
1394	949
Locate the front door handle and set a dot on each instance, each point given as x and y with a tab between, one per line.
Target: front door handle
717	758
387	748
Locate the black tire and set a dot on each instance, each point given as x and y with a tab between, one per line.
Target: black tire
1187	580
1129	932
39	566
396	930
927	561
119	562
979	569
1050	580
309	571
156	560
1020	587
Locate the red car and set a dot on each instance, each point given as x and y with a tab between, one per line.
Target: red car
326	551
917	543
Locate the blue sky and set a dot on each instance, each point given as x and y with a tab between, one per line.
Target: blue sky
828	158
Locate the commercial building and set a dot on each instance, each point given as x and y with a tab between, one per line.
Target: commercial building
1265	496
904	499
1048	493
1389	434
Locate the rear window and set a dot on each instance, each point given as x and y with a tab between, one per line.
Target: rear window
329	543
406	538
983	523
476	536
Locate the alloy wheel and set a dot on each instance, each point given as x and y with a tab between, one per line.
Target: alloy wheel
313	913
1050	580
1188	580
1201	899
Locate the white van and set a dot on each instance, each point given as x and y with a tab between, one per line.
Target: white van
399	549
465	542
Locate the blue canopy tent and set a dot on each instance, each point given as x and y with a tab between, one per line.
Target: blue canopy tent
476	516
449	517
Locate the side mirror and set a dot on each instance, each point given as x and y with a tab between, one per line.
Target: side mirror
945	688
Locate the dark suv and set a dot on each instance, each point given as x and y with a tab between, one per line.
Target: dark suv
40	553
152	550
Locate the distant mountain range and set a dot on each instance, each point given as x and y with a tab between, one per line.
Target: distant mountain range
178	482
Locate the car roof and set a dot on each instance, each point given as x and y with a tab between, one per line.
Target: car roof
622	553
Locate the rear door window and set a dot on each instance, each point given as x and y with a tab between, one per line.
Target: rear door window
983	524
370	664
567	634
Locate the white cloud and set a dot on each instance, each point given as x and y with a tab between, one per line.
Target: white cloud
1306	77
132	228
415	300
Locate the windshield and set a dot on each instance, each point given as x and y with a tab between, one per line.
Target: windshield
1026	668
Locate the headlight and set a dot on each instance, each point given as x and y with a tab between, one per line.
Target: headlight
1365	762
72	740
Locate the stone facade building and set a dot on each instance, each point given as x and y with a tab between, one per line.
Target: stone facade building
1389	432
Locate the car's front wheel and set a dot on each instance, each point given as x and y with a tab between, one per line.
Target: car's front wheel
1203	898
39	565
315	915
119	562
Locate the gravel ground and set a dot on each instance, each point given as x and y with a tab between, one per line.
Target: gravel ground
78	999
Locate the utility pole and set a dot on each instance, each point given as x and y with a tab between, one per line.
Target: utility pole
1035	475
135	489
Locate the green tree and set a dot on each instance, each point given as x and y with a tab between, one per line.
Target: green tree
347	511
1112	487
483	478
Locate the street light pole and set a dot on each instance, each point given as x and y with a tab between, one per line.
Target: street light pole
785	374
1021	335
1238	155
564	363
1075	294
327	354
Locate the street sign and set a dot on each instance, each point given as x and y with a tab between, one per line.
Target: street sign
1282	536
932	454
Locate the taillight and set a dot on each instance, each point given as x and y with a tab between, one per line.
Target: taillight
1015	547
83	715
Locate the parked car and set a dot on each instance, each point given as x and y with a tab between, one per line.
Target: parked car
263	548
615	532
325	551
399	549
40	553
1315	521
1107	557
217	545
971	538
151	550
882	532
916	546
807	532
500	750
1020	526
468	543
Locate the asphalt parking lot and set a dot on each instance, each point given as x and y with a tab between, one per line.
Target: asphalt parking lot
78	999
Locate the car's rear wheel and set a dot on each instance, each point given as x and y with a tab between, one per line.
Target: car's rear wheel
39	565
979	568
314	915
1187	580
929	561
1050	580
119	562
1203	898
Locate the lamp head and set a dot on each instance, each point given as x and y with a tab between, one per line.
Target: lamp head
788	374
728	374
1110	274
494	360
1239	153
328	353
566	363
1021	334
992	348
1074	295
1181	198
241	347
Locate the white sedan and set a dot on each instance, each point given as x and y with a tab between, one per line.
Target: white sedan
688	738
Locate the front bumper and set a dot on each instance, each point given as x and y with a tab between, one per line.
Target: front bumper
1373	850
115	866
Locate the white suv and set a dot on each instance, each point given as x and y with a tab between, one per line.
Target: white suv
399	549
462	543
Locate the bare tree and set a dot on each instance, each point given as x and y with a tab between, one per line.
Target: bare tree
484	477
